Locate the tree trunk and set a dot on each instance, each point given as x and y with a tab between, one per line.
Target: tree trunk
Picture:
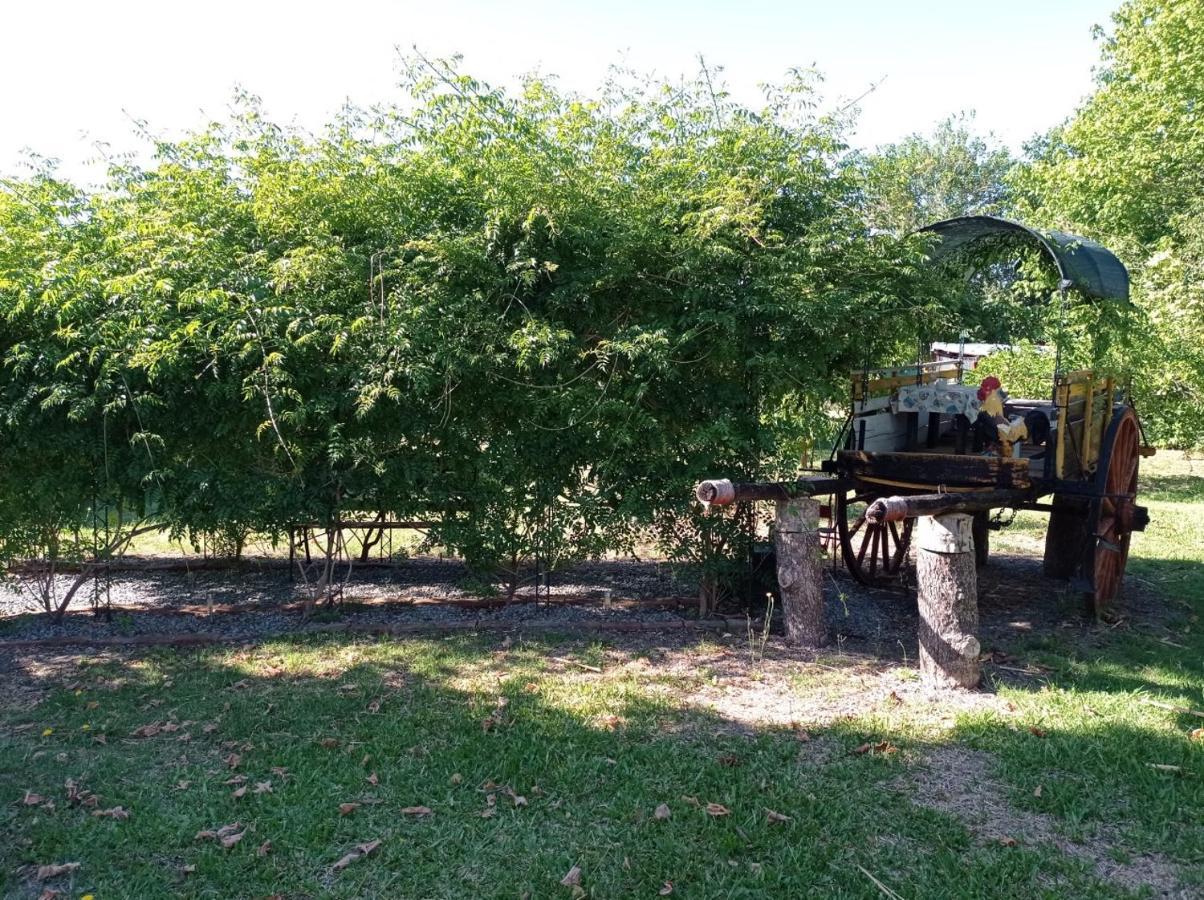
948	600
796	540
1066	539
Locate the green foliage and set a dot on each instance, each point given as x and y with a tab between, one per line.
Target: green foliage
1025	370
924	179
535	317
1128	169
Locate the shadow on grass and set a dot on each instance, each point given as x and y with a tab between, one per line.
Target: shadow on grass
1173	488
437	722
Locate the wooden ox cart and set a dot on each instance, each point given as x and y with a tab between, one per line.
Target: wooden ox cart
913	445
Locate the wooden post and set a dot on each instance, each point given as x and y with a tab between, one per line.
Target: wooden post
1066	537
948	600
796	541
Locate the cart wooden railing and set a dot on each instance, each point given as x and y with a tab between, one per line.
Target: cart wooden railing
1084	400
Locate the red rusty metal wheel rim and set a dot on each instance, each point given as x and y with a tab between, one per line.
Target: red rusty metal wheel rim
1112	510
874	554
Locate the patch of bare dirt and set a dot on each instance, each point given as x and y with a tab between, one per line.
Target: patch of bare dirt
957	781
788	687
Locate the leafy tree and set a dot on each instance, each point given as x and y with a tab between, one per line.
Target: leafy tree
1128	169
535	317
926	178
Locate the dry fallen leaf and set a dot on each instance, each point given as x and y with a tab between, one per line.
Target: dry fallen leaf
417	811
666	889
360	850
717	809
693	801
91	704
231	839
1197	734
279	770
145	731
329	743
895	698
731	760
1007	842
117	812
772	816
1037	791
662	812
573	878
54	870
236	779
264	849
263	787
346	809
239	792
863	748
1035	731
233	760
32	799
456	778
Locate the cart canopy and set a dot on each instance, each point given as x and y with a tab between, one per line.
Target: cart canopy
1088	267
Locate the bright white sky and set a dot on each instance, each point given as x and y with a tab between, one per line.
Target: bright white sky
74	73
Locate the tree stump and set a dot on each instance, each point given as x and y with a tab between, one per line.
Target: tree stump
1066	538
948	600
796	541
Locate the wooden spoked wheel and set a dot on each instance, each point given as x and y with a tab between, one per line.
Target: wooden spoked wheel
873	554
1112	511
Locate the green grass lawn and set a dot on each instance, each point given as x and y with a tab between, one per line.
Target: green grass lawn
1058	783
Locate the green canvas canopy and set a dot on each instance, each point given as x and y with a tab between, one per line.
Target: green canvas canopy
1088	267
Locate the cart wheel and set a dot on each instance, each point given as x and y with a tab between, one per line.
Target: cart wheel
1111	515
873	554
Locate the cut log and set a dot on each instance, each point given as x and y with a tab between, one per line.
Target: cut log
896	509
1066	538
948	601
723	492
800	572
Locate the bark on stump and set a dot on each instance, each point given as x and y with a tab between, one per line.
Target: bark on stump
796	542
1066	538
948	600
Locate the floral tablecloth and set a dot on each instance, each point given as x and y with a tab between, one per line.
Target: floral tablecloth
946	399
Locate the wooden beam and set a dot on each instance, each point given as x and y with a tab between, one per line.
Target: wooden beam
896	509
723	492
937	469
